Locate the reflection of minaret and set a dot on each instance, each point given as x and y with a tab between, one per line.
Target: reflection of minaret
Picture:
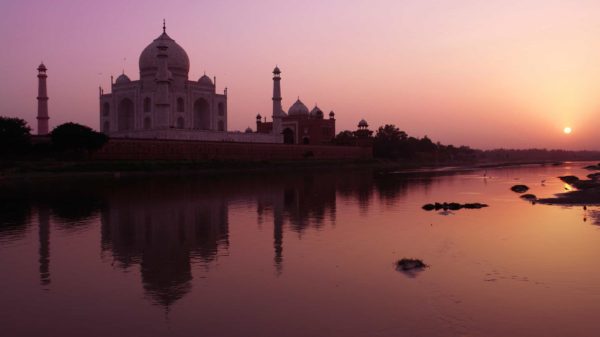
44	238
42	116
278	236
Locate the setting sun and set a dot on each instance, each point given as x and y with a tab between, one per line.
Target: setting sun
567	130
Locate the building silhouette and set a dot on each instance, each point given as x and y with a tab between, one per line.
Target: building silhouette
298	125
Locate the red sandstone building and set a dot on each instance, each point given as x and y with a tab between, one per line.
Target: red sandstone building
298	125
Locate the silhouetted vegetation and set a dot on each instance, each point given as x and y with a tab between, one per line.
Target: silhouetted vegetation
15	138
345	137
391	143
75	140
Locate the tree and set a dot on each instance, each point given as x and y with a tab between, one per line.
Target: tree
15	135
389	141
76	138
345	137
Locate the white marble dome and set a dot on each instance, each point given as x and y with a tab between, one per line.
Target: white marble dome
177	59
297	109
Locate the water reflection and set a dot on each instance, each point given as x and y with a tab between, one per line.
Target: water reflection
44	244
162	229
15	218
163	225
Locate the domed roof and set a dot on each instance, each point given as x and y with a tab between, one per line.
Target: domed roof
205	81
248	130
363	123
298	108
276	71
122	79
178	61
331	114
316	112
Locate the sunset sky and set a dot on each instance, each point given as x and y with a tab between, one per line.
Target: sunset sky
488	74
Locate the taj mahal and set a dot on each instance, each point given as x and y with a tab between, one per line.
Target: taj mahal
165	104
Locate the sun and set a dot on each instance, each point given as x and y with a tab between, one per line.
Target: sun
567	130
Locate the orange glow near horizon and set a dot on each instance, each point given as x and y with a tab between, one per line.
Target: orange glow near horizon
484	74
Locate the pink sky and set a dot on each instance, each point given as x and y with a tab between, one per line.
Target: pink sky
487	74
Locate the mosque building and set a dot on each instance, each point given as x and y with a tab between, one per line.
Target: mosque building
165	104
298	125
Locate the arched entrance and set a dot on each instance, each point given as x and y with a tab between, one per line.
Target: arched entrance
147	123
201	114
288	136
125	115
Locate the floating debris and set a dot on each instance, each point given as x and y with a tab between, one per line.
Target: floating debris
520	188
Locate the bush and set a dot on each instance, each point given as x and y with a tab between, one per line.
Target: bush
14	136
76	138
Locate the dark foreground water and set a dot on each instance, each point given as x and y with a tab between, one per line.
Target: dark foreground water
302	254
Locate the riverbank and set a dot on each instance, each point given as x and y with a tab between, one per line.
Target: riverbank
10	170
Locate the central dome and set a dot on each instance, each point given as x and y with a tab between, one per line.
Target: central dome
298	109
177	60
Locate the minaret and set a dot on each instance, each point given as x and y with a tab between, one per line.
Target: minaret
42	115
277	110
163	81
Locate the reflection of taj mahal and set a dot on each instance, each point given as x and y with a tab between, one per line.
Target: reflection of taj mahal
165	104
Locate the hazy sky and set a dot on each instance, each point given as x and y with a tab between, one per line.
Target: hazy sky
493	73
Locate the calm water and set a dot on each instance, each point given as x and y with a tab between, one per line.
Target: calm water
302	254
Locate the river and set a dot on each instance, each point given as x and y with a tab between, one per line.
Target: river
307	253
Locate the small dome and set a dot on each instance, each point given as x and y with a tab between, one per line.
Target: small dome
363	123
276	71
178	61
298	108
331	114
316	112
205	81
248	130
122	79
42	67
258	116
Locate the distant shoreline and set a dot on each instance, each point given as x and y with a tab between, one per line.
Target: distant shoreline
27	170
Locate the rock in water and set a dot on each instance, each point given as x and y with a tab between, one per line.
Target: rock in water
520	188
453	206
429	207
474	205
569	179
529	197
410	264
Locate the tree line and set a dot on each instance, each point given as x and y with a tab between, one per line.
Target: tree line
68	140
391	143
